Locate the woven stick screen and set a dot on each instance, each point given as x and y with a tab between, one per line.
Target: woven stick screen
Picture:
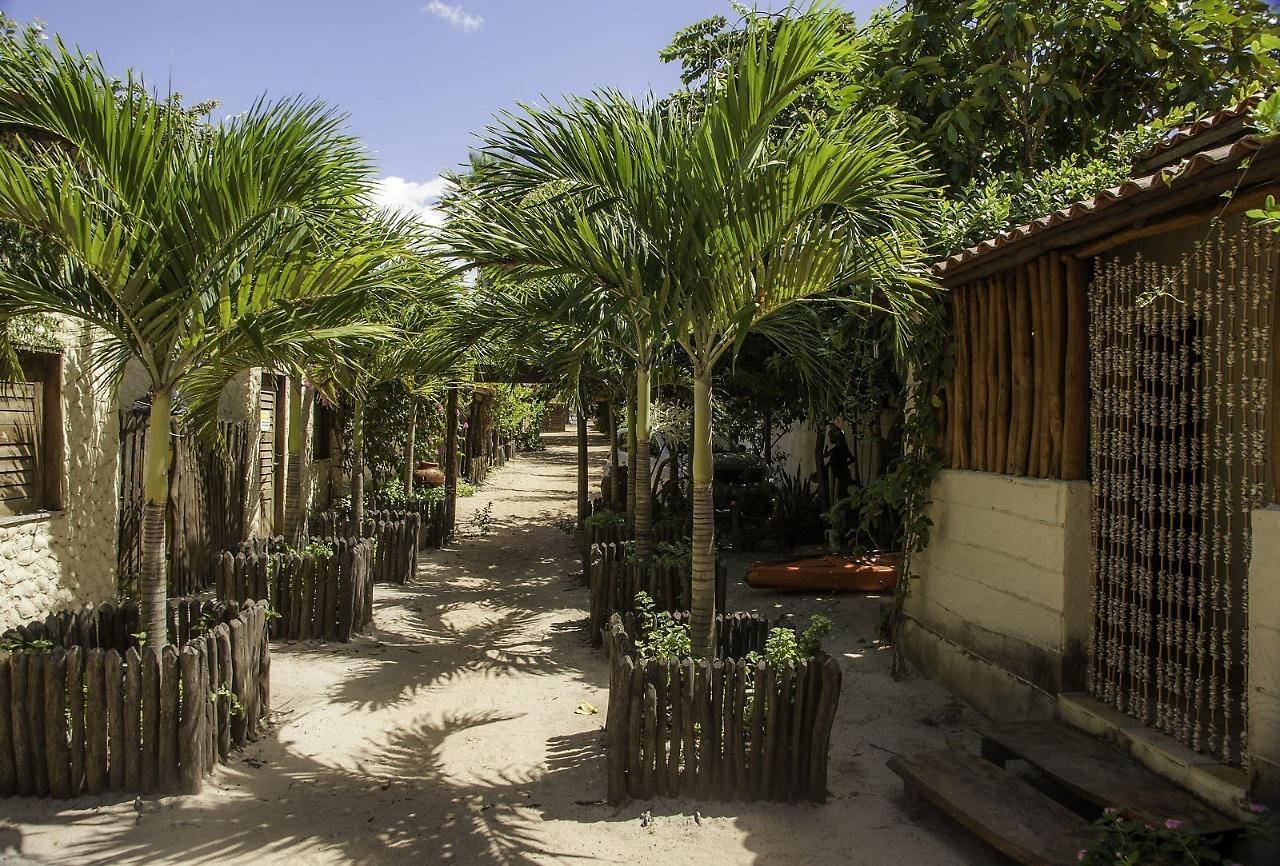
1179	371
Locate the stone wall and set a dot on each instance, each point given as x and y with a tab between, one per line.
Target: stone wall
56	559
1000	611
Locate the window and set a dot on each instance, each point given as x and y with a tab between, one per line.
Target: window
321	431
31	437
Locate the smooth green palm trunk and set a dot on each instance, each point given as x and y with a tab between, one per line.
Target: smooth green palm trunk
294	512
643	509
703	609
357	465
631	463
157	459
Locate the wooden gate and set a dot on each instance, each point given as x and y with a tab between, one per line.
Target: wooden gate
1179	361
208	495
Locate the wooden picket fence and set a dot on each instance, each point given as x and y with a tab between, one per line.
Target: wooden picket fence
84	709
614	582
314	597
394	534
718	730
433	530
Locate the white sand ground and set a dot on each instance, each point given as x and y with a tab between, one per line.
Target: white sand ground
448	734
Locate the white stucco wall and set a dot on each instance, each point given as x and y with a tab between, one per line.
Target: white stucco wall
53	560
1005	579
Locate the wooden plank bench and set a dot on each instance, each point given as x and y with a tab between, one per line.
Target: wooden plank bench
996	806
1100	774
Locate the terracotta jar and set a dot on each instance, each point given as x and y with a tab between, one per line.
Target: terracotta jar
428	474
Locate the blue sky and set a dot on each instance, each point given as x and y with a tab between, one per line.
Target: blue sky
418	77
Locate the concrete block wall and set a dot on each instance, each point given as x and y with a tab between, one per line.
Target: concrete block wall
56	559
1000	611
1264	652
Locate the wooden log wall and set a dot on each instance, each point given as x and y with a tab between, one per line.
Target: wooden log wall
395	535
1018	399
615	580
84	708
718	730
313	597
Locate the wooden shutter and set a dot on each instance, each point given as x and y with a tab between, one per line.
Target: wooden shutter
21	426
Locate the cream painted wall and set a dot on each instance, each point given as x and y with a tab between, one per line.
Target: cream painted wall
59	559
1264	647
1005	579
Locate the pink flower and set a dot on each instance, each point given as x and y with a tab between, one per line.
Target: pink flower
1081	854
1257	808
1172	824
1111	810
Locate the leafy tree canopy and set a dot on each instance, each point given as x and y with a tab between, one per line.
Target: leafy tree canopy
993	86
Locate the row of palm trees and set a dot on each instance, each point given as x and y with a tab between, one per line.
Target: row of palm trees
694	223
608	232
196	251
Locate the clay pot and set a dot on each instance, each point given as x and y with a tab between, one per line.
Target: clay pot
428	474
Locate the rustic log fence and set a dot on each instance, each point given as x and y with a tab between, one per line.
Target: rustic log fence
434	531
394	534
615	580
313	596
85	709
718	729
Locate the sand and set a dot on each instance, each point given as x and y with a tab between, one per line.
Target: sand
460	730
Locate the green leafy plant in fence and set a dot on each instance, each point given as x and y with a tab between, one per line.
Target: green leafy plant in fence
666	554
660	636
605	519
224	692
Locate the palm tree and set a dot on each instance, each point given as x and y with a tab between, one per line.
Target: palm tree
194	251
501	221
737	217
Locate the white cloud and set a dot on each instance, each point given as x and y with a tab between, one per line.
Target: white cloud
456	16
418	198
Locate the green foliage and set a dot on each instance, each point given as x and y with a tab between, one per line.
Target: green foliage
666	554
605	519
317	549
1124	841
810	641
518	412
783	645
660	635
224	692
482	520
1266	117
1002	200
798	518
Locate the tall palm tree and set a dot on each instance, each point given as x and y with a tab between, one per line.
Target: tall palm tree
195	251
738	217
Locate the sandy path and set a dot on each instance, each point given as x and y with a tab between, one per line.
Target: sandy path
449	734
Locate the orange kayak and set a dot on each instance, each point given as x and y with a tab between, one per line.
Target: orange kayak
875	573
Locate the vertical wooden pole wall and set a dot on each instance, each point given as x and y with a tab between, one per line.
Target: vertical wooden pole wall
1018	399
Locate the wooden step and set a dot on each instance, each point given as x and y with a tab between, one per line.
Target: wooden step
997	807
1099	774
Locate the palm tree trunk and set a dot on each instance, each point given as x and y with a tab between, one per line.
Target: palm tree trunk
451	459
293	517
631	463
584	503
703	610
615	497
157	459
408	445
644	496
357	465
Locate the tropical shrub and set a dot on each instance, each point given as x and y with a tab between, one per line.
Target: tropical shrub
1122	841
